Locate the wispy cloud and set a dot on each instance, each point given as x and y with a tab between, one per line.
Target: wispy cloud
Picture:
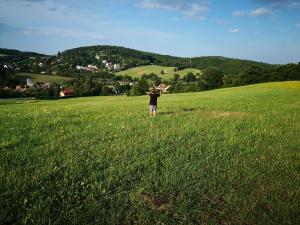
256	12
298	25
261	11
239	13
219	21
63	32
292	4
234	30
193	8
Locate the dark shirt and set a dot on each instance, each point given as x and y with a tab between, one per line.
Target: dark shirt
153	98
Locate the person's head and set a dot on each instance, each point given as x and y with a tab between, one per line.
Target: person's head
152	90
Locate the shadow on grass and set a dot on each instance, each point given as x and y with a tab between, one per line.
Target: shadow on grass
182	110
12	102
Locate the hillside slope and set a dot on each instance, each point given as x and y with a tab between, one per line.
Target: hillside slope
168	71
12	55
229	156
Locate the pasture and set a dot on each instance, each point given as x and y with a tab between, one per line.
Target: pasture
35	78
169	71
228	156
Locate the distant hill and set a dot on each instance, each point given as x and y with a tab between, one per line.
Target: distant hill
13	56
115	59
130	58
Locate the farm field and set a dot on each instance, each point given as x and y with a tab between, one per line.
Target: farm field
228	156
139	71
44	78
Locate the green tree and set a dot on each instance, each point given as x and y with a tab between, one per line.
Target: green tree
212	78
190	77
176	77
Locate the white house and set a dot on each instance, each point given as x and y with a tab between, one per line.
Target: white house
80	67
117	66
29	82
90	66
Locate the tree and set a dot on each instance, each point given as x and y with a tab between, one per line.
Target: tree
190	77
251	75
106	91
176	77
212	78
140	88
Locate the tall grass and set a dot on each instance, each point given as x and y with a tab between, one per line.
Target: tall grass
229	156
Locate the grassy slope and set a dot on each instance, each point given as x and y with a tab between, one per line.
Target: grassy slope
139	71
44	78
229	156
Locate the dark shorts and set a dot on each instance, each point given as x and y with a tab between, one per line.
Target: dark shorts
153	108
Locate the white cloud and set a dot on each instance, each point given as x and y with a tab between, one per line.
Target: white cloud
239	13
261	11
60	32
298	25
234	30
193	8
280	4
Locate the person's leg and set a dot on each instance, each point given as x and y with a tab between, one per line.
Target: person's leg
151	110
154	110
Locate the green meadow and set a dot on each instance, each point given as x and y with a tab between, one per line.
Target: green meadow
169	71
228	156
44	78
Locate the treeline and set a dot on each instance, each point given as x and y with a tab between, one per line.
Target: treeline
105	83
212	78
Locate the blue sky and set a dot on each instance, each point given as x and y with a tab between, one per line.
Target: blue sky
261	30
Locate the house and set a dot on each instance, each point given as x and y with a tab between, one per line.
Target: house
104	61
97	57
29	82
21	88
67	92
132	84
43	72
6	66
80	67
109	65
92	67
42	86
41	64
117	66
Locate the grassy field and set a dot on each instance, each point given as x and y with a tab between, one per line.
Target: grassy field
44	78
229	156
169	71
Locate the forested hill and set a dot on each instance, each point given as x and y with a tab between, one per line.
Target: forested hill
129	58
113	59
12	55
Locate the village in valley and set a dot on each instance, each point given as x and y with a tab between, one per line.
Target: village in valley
103	64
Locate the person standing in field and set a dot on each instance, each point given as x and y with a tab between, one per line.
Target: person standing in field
153	100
